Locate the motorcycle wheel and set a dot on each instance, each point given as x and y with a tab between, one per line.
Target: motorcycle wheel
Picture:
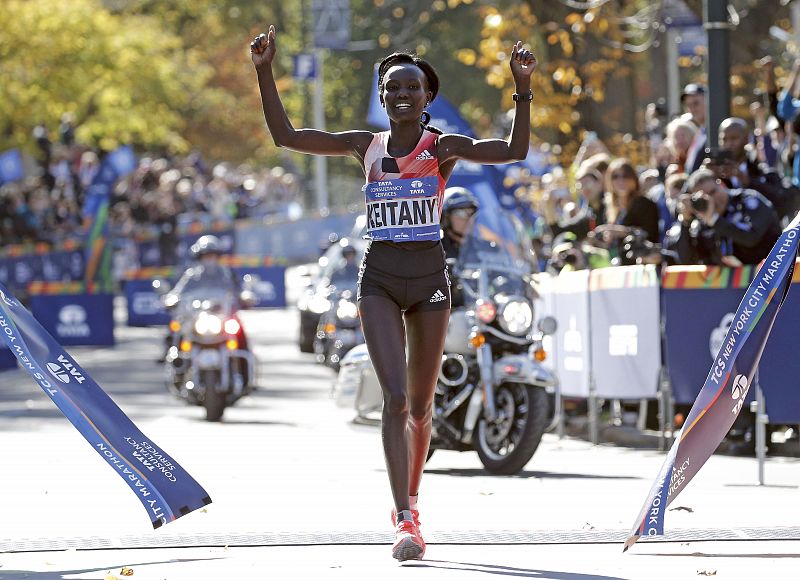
214	400
507	444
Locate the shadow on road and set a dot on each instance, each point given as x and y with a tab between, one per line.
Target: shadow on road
506	570
467	472
114	570
704	555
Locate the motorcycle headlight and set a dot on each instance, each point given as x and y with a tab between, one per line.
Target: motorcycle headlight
346	310
208	324
319	304
516	317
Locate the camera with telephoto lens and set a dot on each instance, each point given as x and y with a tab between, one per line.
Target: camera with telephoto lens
699	201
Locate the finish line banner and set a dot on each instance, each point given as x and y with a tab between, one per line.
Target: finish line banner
165	489
727	384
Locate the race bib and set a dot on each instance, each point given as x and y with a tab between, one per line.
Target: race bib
403	210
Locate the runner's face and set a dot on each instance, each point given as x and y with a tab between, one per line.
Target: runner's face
405	92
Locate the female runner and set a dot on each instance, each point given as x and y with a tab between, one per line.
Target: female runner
404	291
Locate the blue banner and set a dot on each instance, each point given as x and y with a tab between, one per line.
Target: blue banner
76	319
145	307
165	489
268	283
726	386
11	168
7	358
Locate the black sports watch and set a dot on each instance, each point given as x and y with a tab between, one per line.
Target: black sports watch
524	96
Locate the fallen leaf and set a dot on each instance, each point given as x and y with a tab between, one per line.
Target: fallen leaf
126	571
706	572
681	508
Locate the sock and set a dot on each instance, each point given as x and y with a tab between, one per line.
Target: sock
405	516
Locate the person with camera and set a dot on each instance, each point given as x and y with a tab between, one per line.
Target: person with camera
742	221
737	165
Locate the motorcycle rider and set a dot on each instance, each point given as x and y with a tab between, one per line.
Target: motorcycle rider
458	216
207	271
458	210
348	270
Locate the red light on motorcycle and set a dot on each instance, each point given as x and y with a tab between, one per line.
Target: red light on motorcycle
540	354
232	344
511	369
477	340
174	325
330	328
186	346
232	326
485	310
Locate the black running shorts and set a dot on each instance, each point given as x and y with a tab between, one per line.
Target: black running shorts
411	274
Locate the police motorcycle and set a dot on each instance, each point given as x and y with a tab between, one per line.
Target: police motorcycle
339	328
493	394
208	362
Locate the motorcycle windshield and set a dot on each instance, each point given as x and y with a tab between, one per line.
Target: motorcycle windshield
496	240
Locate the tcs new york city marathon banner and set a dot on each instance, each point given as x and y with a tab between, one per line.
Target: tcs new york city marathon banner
163	487
725	389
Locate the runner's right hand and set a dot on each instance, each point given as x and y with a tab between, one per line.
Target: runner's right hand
263	48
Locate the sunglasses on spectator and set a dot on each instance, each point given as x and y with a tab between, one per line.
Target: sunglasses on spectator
463	213
619	176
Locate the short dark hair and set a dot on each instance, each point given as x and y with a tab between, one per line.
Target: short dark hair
408	58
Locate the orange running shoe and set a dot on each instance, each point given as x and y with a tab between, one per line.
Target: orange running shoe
408	544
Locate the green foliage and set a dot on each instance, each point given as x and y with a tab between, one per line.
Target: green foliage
126	80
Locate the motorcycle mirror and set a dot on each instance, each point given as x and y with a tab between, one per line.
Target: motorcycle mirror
161	286
547	325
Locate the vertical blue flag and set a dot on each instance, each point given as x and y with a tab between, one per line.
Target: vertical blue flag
725	389
165	489
11	168
115	165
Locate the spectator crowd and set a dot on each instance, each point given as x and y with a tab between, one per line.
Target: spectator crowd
161	195
719	199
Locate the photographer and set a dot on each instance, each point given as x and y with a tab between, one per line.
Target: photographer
743	221
737	165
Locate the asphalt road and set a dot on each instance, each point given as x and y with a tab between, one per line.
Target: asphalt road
300	491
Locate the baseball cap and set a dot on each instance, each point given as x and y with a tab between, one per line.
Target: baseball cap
692	89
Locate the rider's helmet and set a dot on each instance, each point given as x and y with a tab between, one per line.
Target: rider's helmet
348	249
206	245
456	198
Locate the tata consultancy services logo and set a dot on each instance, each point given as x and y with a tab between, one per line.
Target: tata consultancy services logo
416	184
72	321
58	372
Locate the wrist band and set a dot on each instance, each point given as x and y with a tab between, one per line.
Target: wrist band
523	97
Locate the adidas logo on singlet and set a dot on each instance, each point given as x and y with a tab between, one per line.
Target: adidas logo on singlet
438	296
424	156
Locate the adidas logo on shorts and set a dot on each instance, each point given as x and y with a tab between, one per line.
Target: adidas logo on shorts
438	296
425	155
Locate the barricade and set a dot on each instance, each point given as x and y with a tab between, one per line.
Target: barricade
572	346
72	315
625	337
698	304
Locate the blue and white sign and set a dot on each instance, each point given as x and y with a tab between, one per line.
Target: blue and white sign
403	210
76	319
144	304
268	283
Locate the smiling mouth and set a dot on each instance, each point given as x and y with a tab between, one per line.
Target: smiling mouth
403	106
